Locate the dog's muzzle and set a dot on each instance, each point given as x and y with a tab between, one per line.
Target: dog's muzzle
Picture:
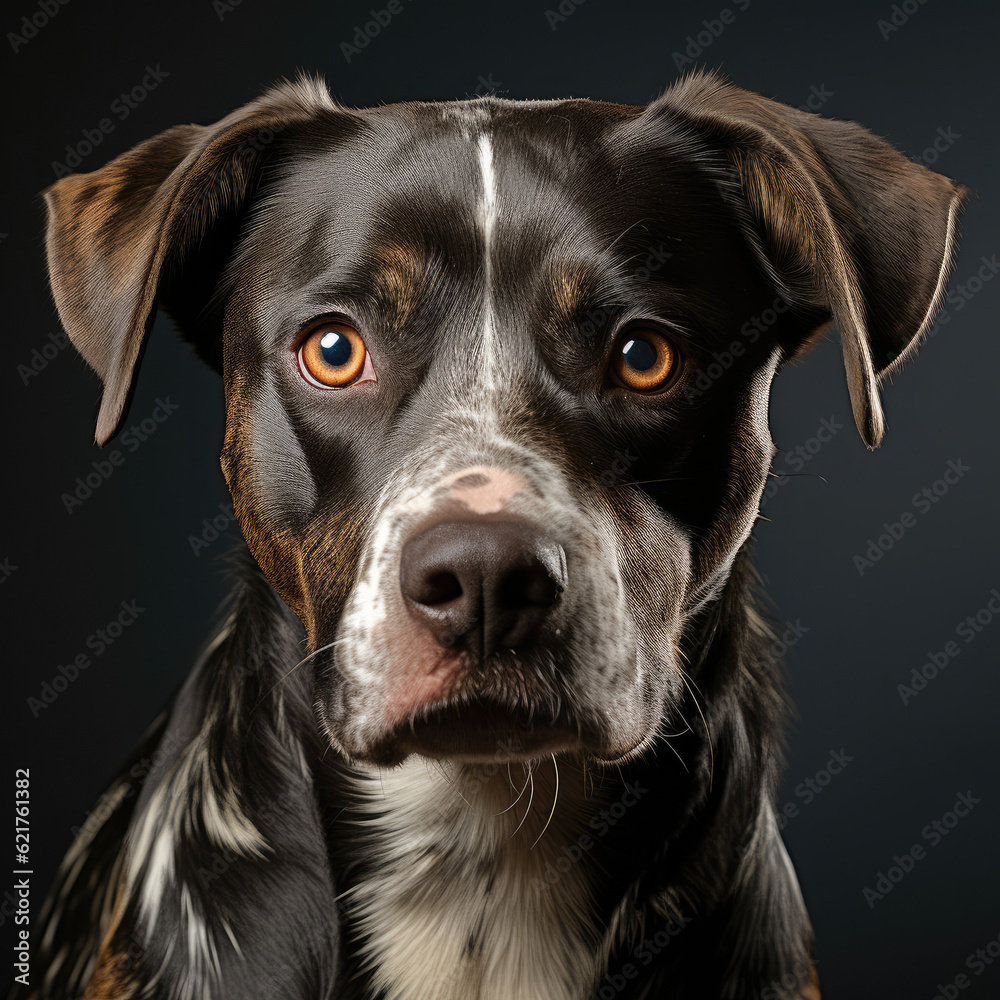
488	622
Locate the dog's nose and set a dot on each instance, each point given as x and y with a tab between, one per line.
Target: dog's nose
481	585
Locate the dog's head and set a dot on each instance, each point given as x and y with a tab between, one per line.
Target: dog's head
497	373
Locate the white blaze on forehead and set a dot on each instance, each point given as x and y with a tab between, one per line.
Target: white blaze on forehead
483	488
487	216
489	186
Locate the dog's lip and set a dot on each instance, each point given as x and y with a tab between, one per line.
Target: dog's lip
478	732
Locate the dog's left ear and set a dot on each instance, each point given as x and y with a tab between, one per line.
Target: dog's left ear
840	220
144	226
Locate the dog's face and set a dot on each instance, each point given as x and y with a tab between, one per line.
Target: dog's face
444	492
497	375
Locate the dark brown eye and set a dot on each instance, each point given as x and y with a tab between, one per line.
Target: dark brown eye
333	356
644	360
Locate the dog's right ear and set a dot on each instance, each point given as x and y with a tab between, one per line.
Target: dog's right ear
840	221
115	235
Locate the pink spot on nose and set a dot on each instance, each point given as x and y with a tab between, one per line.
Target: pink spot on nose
484	489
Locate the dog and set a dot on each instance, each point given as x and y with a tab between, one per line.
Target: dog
493	713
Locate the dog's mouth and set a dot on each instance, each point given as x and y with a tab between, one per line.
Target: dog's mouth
476	732
508	709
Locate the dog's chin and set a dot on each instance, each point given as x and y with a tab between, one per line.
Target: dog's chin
481	732
472	733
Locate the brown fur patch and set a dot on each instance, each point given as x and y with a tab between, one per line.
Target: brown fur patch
568	290
400	278
112	978
811	992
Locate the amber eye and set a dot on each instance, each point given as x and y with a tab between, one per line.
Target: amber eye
643	360
333	356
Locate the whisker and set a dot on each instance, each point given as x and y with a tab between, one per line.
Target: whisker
674	749
692	688
519	794
281	680
531	796
800	475
638	222
644	482
682	732
450	778
555	799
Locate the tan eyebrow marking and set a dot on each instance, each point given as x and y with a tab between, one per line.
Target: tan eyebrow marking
400	277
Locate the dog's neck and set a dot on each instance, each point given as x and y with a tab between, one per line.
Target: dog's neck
467	872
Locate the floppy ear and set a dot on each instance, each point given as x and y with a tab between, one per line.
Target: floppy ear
841	221
118	238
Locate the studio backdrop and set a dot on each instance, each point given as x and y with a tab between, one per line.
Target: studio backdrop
881	566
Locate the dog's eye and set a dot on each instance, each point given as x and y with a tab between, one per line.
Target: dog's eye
333	356
644	360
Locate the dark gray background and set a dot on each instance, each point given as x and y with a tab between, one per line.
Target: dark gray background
934	76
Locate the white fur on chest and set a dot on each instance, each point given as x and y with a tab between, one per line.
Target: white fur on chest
460	905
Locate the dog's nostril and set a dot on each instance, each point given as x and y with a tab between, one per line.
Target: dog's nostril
437	588
530	585
481	584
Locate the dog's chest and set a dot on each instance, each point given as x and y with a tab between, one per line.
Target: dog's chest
461	903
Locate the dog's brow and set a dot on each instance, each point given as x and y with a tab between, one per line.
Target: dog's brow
569	288
574	287
399	277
